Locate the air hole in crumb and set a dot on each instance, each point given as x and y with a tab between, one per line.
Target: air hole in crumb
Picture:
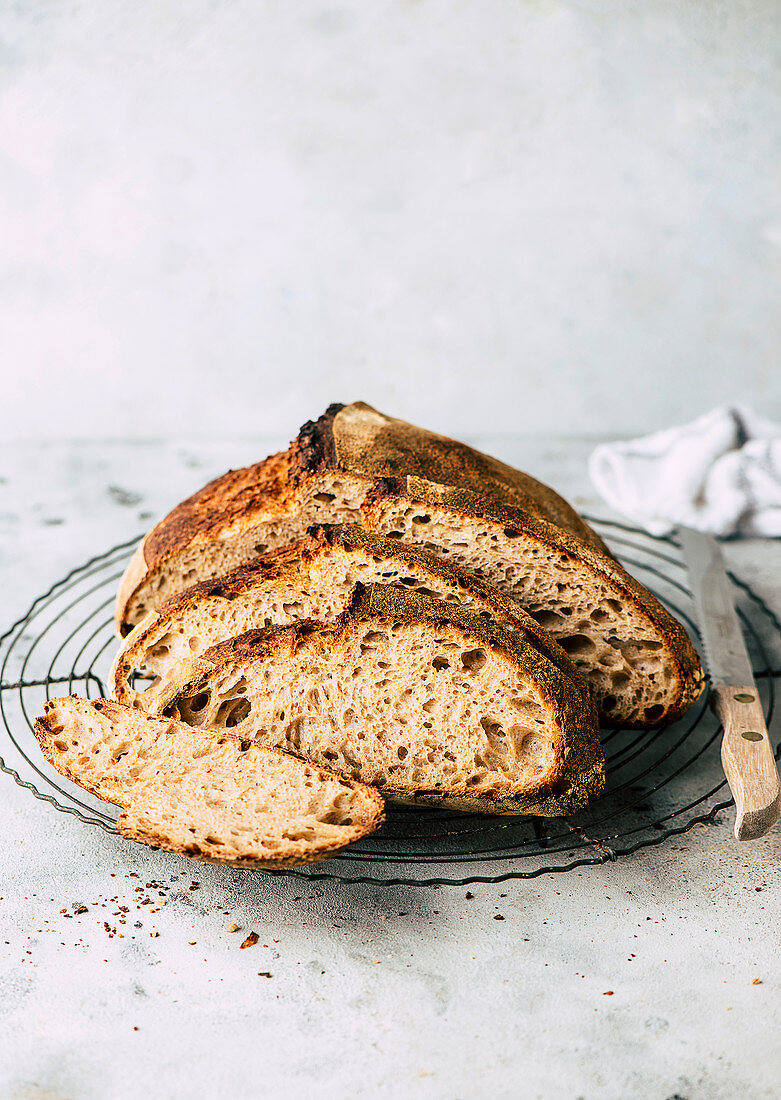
325	498
578	645
654	712
231	712
440	663
474	659
196	703
421	519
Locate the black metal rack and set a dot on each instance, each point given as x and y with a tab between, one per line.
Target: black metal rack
660	782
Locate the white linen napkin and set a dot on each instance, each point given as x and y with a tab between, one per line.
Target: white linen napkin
721	473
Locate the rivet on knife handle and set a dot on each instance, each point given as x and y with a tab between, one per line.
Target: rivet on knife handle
748	760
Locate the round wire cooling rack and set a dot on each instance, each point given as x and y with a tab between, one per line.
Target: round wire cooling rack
660	783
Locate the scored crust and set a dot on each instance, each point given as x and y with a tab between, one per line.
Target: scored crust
354	440
358	439
570	778
192	791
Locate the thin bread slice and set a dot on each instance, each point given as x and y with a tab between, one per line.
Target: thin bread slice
205	794
426	700
323	477
310	579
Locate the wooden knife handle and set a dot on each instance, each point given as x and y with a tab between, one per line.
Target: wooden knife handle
748	760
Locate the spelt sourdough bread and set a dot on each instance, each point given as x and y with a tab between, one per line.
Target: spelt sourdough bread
427	700
310	579
322	478
637	658
205	794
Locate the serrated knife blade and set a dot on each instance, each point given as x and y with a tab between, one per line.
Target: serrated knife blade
746	752
725	648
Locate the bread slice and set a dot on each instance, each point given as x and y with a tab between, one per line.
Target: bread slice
426	700
310	579
322	478
205	794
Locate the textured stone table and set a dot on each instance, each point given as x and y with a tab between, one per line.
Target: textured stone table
359	990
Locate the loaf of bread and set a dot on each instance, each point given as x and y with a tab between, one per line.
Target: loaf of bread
356	465
205	794
309	579
426	700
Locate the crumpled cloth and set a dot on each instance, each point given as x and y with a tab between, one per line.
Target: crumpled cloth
721	473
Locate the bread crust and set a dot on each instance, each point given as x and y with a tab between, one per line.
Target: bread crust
353	439
577	774
358	439
366	817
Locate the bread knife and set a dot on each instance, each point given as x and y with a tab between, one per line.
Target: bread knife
746	752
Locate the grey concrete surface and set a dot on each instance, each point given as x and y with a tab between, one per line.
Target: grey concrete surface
628	980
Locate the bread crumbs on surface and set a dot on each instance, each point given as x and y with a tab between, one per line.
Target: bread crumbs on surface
250	941
232	927
757	981
608	993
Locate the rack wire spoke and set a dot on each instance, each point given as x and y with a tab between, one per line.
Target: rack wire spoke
661	783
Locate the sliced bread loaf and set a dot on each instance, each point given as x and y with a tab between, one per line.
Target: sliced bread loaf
310	579
322	478
635	655
205	794
427	700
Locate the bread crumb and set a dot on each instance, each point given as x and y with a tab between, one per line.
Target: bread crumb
232	927
757	981
250	941
608	993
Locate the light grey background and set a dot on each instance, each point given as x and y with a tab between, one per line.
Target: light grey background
487	217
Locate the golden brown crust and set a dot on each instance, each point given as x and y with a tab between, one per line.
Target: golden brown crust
359	440
218	505
687	667
577	775
342	439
